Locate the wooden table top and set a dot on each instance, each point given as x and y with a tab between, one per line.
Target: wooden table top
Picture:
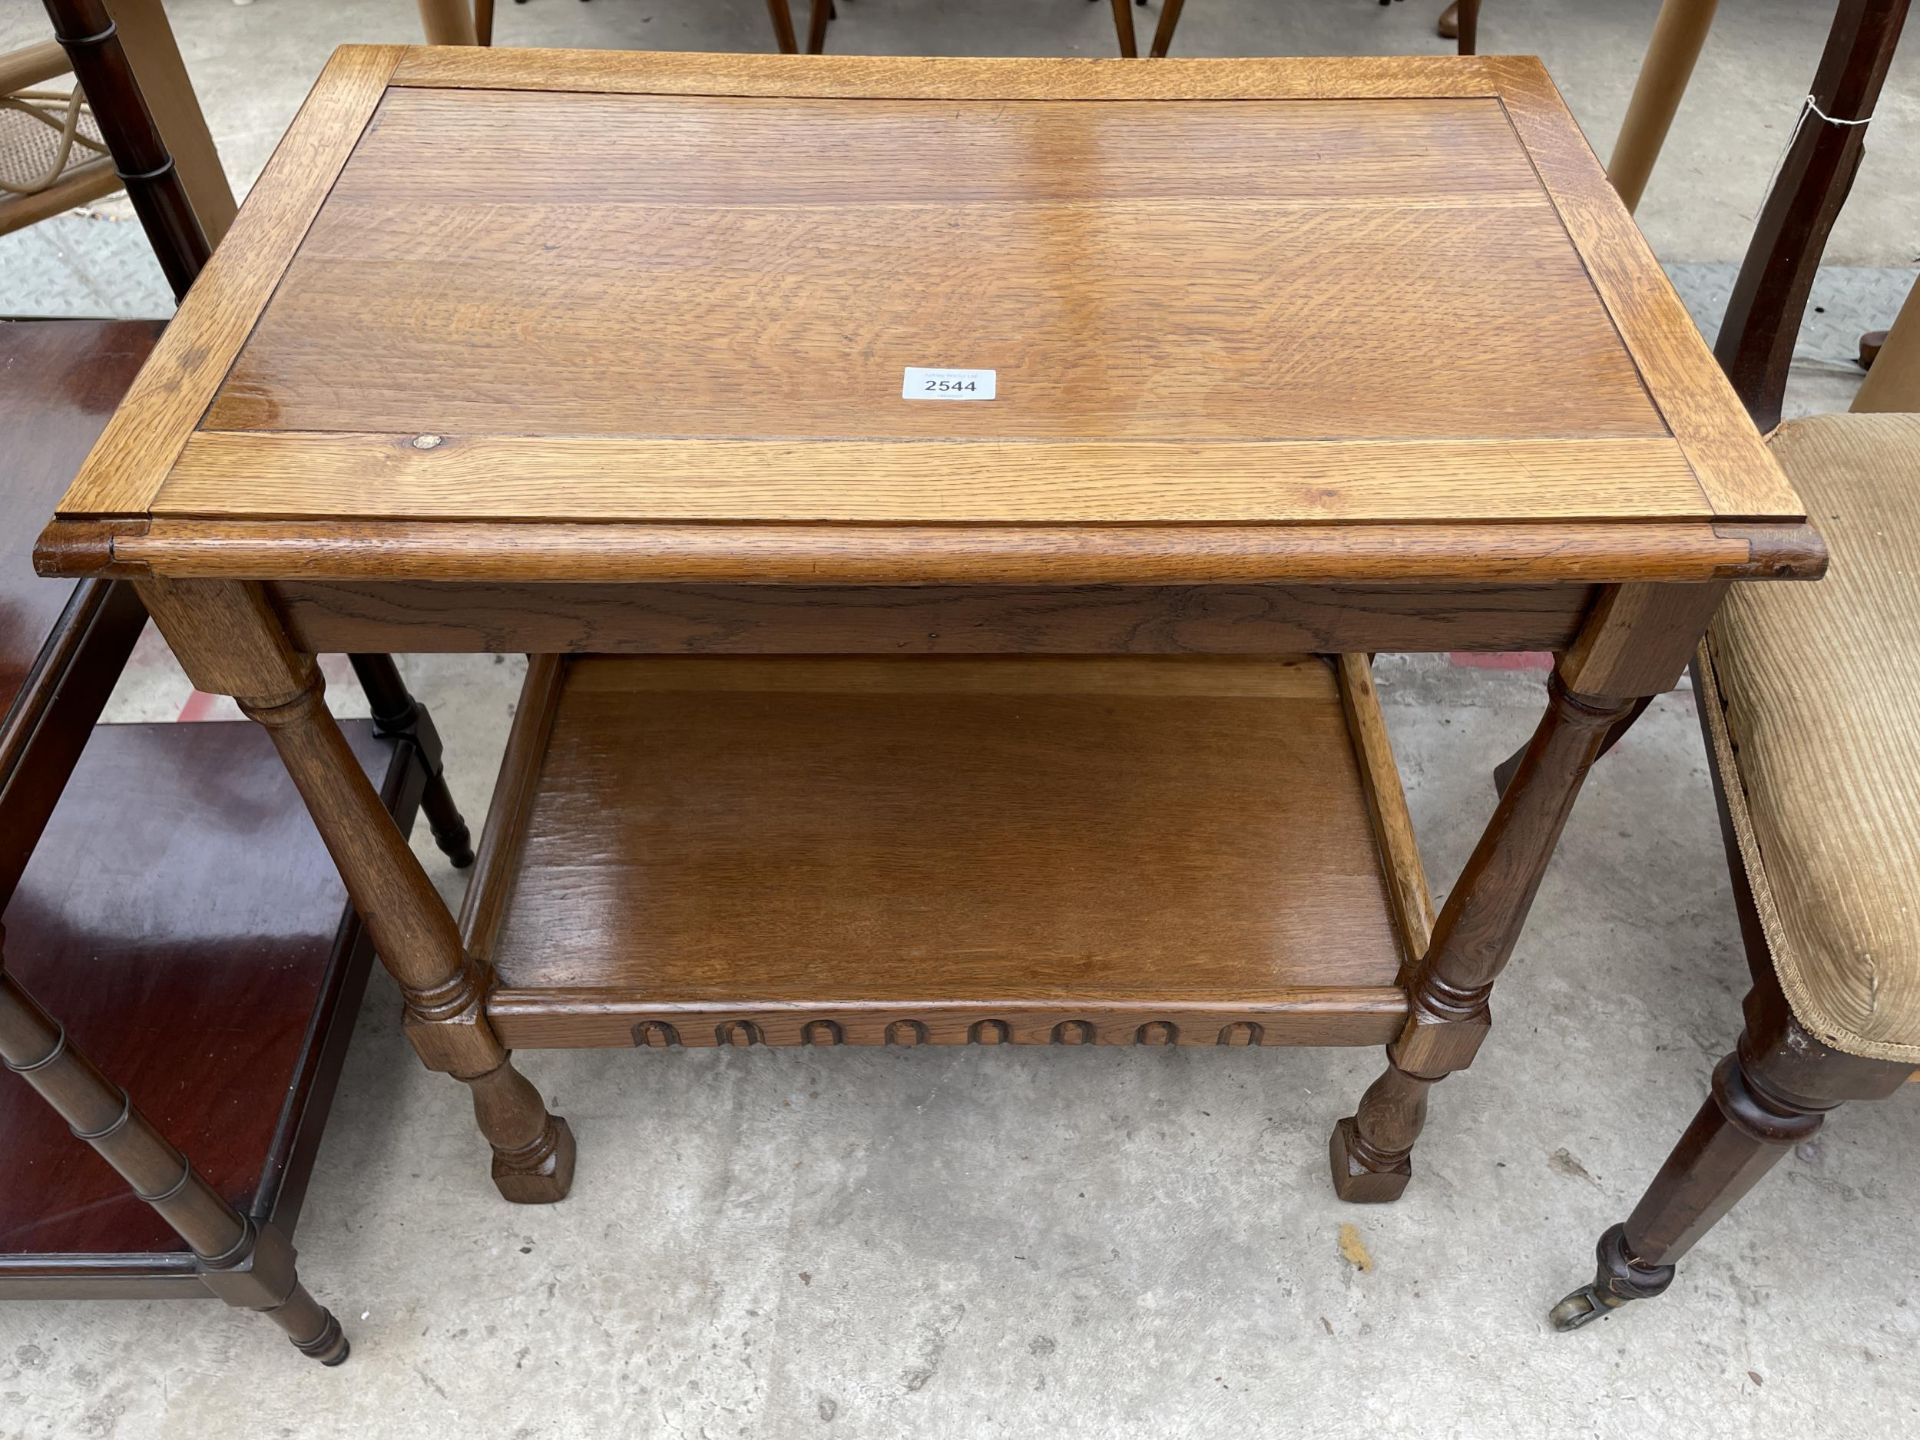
601	315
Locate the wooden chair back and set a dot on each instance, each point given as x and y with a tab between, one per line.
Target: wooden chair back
1770	296
52	155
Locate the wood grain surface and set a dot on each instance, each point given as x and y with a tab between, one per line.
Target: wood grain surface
172	390
198	987
1698	402
924	619
498	859
1387	803
972	78
951	836
524	477
62	380
1402	295
768	269
1438	555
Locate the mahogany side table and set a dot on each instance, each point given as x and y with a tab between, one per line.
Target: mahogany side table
179	974
947	630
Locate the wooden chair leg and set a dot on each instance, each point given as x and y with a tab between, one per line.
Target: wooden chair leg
1774	1091
1163	32
1894	381
1123	29
154	183
247	1265
782	17
162	77
448	22
396	714
483	22
1466	21
1674	47
818	13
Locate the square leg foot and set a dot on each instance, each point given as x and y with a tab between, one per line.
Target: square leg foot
1353	1180
547	1180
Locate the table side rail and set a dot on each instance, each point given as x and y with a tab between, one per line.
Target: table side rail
324	617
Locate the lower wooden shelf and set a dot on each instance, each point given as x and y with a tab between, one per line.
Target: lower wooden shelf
181	918
703	851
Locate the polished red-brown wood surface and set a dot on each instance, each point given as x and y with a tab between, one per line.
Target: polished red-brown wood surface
182	919
924	839
59	381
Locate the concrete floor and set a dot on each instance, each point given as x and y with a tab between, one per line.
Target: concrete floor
1088	1243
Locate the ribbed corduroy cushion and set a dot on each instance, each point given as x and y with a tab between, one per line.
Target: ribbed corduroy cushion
1820	686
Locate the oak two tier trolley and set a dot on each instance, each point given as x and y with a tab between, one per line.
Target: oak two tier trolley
942	634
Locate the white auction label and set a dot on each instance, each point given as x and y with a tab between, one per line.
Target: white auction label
921	384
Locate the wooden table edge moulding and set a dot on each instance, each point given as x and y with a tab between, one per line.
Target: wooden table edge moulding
986	679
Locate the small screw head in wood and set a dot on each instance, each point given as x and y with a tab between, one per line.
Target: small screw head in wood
425	442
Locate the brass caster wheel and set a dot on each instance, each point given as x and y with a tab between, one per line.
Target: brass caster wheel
1582	1307
1617	1280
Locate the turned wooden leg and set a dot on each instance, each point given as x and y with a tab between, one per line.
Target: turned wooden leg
1449	1017
1504	772
1770	1094
231	643
781	15
1123	29
1163	32
818	14
246	1265
1371	1151
1634	643
397	716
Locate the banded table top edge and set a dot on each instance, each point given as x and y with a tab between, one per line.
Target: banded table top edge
266	475
1332	554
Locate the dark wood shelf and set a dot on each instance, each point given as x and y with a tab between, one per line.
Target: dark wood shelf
180	916
63	379
786	851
